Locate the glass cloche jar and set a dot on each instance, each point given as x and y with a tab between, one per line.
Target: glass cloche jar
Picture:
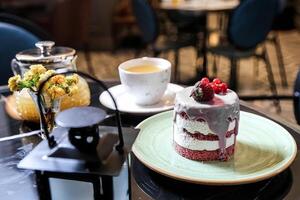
50	56
59	59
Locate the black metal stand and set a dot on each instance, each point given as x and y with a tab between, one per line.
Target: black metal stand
43	187
100	184
105	169
51	140
106	177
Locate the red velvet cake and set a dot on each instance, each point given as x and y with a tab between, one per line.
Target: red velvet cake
206	119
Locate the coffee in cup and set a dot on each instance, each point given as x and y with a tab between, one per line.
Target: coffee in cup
143	69
146	79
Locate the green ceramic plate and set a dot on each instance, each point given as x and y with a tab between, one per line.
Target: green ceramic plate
263	150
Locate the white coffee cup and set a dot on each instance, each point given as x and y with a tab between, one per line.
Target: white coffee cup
146	88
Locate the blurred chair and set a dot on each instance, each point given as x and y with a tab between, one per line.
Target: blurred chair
296	98
149	27
16	34
284	21
123	24
187	22
249	25
193	23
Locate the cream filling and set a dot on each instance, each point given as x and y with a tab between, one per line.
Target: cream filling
193	126
188	142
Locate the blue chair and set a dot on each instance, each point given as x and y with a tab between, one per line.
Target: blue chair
296	98
16	34
249	25
284	21
148	24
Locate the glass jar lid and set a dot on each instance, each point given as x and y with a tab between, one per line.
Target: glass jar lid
46	53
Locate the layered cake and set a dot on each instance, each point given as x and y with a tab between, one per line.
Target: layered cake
206	119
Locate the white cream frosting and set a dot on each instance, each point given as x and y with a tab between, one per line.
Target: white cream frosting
183	98
193	126
188	142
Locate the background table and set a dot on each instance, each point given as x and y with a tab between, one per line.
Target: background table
20	184
199	5
203	7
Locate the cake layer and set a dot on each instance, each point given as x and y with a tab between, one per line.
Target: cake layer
186	141
204	155
193	126
209	137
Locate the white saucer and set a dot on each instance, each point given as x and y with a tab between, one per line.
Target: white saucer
127	105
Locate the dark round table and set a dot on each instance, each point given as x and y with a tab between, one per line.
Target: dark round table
145	184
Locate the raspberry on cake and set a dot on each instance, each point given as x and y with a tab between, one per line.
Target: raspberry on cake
206	119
